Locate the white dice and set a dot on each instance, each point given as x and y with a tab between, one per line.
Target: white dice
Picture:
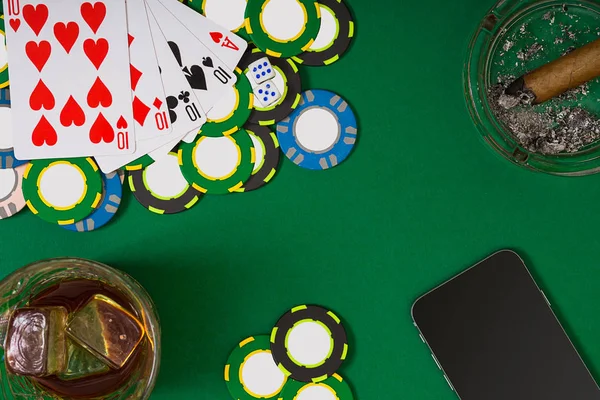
261	70
267	93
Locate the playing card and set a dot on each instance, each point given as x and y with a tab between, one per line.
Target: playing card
69	78
149	103
185	112
206	74
228	46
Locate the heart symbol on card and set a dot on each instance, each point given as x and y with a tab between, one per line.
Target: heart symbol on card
38	53
99	95
208	62
101	131
216	36
15	24
93	14
41	97
96	51
35	17
43	133
72	113
122	123
66	34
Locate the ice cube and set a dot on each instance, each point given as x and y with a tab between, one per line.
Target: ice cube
107	330
35	341
81	363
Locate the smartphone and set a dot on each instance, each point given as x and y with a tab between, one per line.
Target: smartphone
494	335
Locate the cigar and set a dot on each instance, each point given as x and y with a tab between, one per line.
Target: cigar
560	75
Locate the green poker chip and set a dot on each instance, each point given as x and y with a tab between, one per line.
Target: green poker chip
251	373
218	165
283	29
229	14
3	56
140	163
334	387
267	151
62	191
232	111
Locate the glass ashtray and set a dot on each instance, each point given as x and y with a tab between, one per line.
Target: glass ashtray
516	37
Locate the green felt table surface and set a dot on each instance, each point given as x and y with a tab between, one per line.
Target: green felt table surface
420	199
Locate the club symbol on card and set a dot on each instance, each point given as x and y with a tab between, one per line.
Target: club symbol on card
15	24
101	131
72	113
99	95
140	111
66	34
43	133
93	14
38	53
184	96
207	61
41	97
35	17
96	50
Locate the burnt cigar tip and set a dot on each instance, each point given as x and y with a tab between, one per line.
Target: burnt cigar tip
516	88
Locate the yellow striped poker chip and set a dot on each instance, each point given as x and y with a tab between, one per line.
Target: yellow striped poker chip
251	373
332	388
62	191
309	343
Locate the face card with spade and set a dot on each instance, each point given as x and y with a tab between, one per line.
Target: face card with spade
71	92
226	45
208	76
184	110
150	110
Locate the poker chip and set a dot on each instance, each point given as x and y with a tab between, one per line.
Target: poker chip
266	147
161	187
62	191
283	28
139	163
11	192
320	133
287	79
7	155
218	165
251	373
309	343
3	56
335	35
112	191
332	388
229	14
232	111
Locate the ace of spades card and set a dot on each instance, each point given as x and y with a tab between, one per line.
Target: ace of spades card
70	81
208	76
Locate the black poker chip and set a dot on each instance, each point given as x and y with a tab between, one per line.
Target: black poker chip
297	343
290	94
265	168
340	37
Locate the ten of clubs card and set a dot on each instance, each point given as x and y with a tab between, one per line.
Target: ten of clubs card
69	60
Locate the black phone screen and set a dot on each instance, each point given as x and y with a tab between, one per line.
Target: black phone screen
496	338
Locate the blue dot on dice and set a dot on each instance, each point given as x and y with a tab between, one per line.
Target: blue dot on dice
257	76
260	67
268	86
260	91
272	93
254	69
265	98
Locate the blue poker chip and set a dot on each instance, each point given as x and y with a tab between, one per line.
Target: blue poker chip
111	199
7	155
321	131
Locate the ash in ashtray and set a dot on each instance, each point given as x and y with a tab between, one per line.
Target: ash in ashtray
547	128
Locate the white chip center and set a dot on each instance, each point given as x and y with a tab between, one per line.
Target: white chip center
259	151
261	375
3	52
224	106
62	185
164	177
316	392
8	179
317	129
227	13
328	30
6	136
309	343
217	157
283	19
